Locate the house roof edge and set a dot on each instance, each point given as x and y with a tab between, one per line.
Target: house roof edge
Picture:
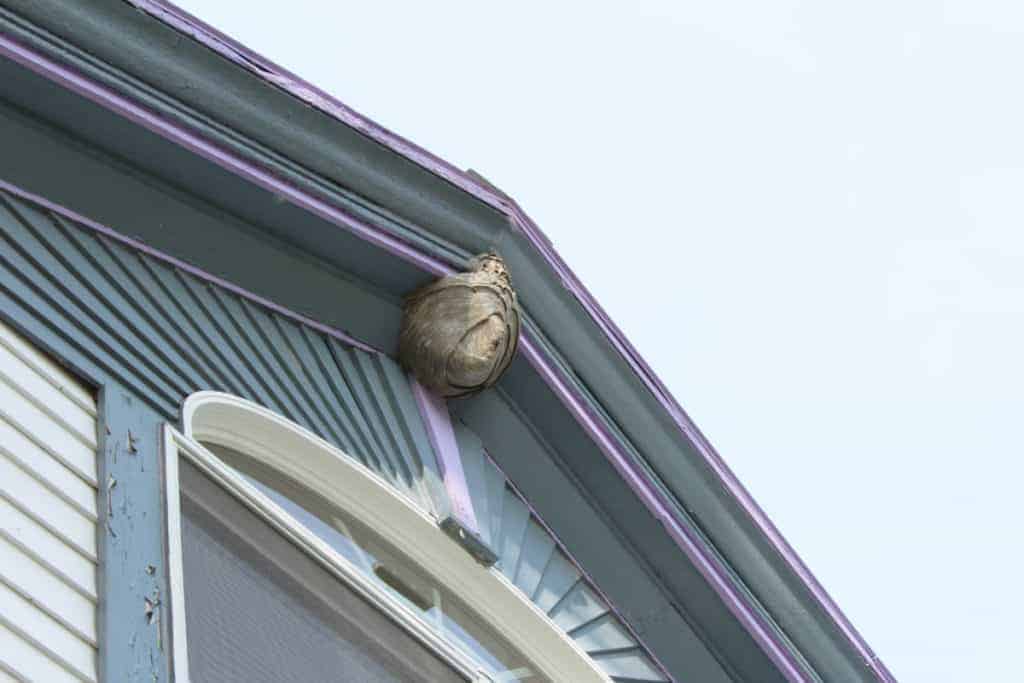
313	96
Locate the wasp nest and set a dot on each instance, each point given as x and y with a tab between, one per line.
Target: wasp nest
459	334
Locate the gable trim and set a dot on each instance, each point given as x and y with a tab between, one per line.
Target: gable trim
766	634
316	97
660	494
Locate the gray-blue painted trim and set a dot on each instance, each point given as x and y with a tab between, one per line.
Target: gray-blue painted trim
133	616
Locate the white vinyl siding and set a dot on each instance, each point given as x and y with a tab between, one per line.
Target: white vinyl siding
47	518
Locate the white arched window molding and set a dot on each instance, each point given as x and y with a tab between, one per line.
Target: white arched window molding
306	459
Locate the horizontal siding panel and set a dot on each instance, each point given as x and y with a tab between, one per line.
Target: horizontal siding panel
47	397
28	663
47	592
57	440
35	540
48	514
44	506
43	466
46	634
47	368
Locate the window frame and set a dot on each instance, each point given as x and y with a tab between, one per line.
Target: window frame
298	454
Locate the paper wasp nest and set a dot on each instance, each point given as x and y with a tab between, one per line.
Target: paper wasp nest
459	334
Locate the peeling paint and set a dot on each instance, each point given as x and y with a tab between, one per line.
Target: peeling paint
130	648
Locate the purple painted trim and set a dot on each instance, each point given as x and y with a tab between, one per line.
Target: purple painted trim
90	224
700	443
234	51
435	415
227	160
697	439
309	93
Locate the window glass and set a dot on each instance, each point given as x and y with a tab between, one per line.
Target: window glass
389	569
260	610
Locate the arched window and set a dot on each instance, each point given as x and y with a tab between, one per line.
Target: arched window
292	562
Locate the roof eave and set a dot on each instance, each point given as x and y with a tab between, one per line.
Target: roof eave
575	395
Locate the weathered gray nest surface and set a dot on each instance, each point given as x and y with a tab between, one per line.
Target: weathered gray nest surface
460	333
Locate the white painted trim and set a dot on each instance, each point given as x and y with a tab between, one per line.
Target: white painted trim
259	433
178	445
175	568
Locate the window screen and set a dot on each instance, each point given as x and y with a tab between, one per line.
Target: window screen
259	610
388	569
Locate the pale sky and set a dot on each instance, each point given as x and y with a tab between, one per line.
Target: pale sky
809	219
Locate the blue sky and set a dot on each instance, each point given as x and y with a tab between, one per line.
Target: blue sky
808	217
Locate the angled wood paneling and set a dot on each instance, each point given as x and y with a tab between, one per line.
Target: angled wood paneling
167	333
532	560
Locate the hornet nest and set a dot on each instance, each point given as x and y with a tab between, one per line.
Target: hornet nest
459	334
